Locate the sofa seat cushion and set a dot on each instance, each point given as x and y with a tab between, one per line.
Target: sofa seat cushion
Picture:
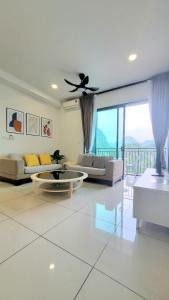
88	170
41	168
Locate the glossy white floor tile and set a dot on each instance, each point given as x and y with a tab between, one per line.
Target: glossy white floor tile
95	225
102	212
5	185
99	287
156	231
75	203
42	218
111	210
141	263
8	191
3	217
42	272
12	238
9	194
12	207
82	235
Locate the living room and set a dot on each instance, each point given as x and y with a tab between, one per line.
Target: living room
84	156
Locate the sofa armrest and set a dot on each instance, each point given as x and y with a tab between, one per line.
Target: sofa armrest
66	164
11	166
114	169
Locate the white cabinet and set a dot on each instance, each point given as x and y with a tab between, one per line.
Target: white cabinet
151	199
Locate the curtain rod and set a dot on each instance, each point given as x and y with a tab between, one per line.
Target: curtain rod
121	87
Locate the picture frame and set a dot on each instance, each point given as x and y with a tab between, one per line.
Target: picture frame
32	124
14	121
46	127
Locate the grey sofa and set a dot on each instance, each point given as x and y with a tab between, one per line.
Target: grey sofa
101	169
13	169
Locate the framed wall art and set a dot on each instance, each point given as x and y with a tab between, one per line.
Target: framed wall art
14	121
46	127
32	124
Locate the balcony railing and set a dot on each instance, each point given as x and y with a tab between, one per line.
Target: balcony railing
136	160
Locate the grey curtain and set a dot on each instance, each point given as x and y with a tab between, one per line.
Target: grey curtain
159	108
87	109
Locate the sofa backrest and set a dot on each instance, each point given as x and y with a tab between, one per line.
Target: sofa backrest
94	161
15	156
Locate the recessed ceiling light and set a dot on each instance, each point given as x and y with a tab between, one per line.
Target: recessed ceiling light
54	86
51	267
132	57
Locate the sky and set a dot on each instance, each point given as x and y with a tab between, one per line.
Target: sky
138	124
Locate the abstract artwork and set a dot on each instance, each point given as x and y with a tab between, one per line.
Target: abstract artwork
14	121
32	124
46	127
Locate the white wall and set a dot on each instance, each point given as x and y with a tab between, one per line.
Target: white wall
10	97
130	94
71	126
71	134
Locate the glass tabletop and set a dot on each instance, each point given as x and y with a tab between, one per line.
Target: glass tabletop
60	175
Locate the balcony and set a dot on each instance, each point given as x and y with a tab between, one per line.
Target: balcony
136	160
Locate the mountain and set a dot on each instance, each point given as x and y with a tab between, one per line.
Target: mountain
130	142
148	144
101	140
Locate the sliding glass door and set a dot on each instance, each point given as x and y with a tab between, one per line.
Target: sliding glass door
125	132
110	132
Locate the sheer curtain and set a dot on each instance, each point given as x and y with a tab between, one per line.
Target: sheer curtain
159	107
87	111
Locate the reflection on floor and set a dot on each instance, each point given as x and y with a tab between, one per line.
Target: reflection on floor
86	247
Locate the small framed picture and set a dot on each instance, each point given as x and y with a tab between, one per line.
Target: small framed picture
14	121
46	127
32	125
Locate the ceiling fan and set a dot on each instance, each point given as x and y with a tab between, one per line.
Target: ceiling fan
82	85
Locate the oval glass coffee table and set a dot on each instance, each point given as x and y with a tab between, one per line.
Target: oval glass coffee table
58	181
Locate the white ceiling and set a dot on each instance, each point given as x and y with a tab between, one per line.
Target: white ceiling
45	41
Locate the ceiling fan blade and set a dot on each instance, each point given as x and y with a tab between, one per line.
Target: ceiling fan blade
81	76
93	89
74	90
85	80
68	82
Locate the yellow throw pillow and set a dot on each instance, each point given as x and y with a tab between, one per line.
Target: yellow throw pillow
45	159
31	160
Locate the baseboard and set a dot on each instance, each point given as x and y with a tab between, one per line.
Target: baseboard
16	182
